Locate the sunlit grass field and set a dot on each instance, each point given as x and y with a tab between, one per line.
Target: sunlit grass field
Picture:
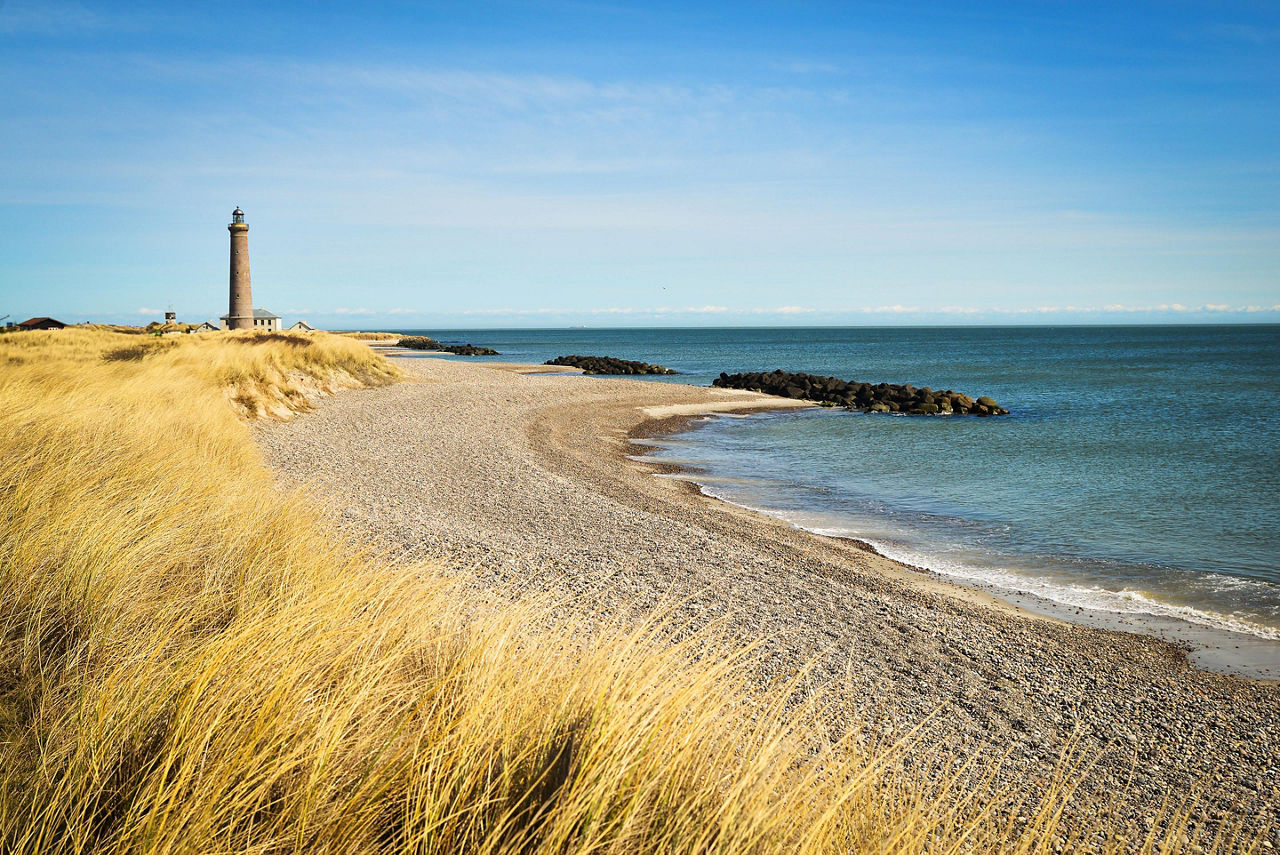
194	661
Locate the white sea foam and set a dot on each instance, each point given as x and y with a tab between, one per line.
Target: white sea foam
1126	601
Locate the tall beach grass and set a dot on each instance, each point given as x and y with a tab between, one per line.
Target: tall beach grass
371	336
193	661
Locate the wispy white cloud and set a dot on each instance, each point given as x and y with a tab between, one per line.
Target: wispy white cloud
605	310
47	18
1175	308
894	310
1108	309
454	87
1248	33
802	66
360	311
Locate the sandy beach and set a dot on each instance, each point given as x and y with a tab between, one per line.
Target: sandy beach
528	482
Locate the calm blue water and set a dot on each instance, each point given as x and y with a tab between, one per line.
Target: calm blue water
1138	472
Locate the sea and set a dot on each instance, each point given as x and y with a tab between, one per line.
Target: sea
1135	483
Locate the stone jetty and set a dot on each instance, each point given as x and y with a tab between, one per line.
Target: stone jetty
608	365
468	350
867	397
422	342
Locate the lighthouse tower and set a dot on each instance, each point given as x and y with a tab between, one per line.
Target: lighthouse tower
240	314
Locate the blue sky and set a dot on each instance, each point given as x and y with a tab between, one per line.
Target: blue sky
420	164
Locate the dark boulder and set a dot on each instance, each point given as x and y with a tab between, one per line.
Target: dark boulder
609	365
991	406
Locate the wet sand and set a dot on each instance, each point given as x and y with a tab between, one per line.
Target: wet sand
529	483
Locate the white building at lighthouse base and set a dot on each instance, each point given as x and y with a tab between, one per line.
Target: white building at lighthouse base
262	320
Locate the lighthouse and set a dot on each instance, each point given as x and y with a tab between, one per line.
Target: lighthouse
240	313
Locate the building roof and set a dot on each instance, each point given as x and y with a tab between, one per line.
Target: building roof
32	322
257	313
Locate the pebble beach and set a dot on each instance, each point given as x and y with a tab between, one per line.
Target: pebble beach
527	482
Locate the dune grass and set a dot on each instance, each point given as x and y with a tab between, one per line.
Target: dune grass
193	662
371	336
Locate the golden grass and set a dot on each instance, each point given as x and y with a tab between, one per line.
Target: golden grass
371	336
192	662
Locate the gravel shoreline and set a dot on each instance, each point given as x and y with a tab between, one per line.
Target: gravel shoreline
527	483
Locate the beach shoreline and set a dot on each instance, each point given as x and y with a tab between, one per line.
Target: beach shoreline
677	419
578	514
1208	648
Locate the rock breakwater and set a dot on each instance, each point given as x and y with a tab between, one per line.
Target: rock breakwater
468	350
422	342
867	397
608	365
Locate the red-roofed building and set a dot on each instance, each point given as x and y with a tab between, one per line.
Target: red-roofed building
41	324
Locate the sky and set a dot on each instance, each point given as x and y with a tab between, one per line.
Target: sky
497	164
